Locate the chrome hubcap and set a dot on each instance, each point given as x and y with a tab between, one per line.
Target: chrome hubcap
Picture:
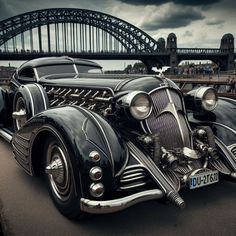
58	172
56	169
20	114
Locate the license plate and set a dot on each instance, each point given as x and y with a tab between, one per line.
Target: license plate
203	179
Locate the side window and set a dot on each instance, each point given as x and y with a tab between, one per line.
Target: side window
27	74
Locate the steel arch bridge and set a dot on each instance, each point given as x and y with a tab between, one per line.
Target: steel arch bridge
95	31
95	35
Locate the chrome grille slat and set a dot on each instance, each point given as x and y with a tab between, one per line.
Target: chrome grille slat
128	172
233	150
133	186
133	176
132	179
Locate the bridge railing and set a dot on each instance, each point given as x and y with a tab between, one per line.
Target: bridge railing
201	50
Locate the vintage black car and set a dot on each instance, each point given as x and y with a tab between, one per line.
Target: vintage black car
106	142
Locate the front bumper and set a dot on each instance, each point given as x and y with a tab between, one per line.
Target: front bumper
108	206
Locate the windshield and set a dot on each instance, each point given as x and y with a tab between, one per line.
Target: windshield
68	68
89	69
55	69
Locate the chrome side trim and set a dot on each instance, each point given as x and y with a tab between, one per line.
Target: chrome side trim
5	135
75	68
102	207
36	74
43	96
31	100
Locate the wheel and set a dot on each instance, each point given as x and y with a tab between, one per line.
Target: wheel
60	179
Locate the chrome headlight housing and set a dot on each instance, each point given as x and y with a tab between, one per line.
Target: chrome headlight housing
137	104
209	100
204	98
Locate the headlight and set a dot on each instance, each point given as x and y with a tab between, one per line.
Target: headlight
209	100
204	98
138	104
140	107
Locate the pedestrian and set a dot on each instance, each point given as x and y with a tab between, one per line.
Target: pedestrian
233	85
228	87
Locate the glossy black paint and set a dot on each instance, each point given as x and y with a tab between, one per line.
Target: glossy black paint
146	84
82	132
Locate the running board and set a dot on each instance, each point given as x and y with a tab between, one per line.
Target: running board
6	135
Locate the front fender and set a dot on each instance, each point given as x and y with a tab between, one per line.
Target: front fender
222	120
82	131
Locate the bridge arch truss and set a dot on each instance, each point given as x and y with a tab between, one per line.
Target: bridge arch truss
69	29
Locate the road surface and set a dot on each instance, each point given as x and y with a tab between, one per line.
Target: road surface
26	209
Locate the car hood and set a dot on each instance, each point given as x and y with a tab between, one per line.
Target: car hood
114	82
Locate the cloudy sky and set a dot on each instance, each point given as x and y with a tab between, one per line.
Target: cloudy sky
196	23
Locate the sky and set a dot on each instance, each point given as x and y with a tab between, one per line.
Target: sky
196	23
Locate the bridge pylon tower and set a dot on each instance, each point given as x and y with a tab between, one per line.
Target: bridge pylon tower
227	44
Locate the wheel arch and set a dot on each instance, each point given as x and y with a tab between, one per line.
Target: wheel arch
34	97
37	149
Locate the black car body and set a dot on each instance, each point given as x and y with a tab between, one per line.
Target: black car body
107	142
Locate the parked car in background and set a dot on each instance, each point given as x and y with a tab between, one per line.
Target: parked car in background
106	142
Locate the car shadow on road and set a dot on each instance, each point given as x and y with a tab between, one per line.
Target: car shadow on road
208	210
204	206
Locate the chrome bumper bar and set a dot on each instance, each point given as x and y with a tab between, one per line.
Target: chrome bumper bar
102	207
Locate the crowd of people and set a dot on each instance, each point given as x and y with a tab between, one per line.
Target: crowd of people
192	69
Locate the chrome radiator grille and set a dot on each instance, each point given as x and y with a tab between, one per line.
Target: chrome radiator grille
167	119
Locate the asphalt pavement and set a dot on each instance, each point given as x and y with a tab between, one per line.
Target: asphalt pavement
26	209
